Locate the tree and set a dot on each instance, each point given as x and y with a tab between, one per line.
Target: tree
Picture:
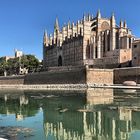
13	65
30	62
3	65
24	61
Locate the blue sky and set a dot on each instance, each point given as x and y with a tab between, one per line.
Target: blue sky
22	22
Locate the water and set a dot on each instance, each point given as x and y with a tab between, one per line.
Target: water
97	114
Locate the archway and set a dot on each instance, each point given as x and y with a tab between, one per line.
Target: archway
60	60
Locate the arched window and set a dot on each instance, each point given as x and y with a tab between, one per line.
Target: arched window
56	41
88	50
130	43
56	32
108	42
60	60
96	52
80	31
117	40
104	44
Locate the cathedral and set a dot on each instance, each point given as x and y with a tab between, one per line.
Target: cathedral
94	41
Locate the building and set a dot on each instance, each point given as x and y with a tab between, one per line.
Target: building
136	53
18	53
95	41
6	58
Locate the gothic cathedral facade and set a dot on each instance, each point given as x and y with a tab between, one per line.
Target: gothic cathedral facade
95	41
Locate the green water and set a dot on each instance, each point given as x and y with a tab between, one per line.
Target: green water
98	114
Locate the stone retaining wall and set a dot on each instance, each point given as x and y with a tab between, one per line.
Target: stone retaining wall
60	77
12	80
76	76
67	76
127	74
99	76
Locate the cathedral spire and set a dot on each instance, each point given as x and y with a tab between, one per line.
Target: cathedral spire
56	26
113	17
125	24
121	24
89	17
84	17
69	24
99	14
45	33
45	38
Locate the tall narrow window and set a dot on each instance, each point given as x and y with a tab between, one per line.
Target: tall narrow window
130	42
108	42
56	41
59	61
88	50
117	40
96	52
104	44
80	31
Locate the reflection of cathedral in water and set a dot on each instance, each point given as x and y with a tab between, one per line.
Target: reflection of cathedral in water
100	117
99	120
87	126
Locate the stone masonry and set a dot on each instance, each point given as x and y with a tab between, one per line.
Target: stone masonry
94	41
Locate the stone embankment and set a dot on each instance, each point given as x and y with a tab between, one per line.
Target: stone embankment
127	74
61	77
12	80
74	78
65	87
46	87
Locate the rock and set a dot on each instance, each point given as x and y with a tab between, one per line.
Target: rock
63	110
113	107
11	131
84	110
3	139
129	90
129	83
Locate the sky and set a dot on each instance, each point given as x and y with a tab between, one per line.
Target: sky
22	22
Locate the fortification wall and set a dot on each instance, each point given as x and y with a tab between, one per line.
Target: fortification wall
127	74
12	80
63	76
76	76
99	76
57	77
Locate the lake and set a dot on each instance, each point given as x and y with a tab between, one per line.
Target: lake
94	114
